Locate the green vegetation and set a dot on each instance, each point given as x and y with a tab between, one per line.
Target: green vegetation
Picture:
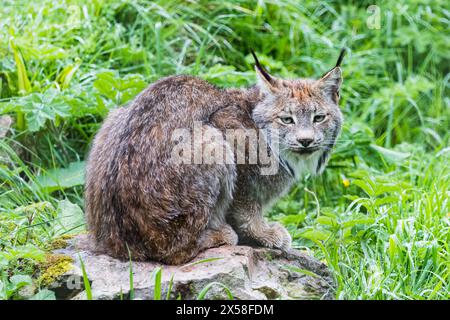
380	215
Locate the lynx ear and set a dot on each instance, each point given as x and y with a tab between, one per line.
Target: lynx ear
331	81
266	82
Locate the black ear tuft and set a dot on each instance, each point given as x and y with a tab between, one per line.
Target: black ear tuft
341	57
260	68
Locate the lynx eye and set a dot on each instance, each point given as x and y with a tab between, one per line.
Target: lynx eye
319	118
287	120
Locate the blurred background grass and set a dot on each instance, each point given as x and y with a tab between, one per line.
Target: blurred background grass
379	216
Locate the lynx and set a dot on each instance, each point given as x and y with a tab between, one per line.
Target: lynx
140	202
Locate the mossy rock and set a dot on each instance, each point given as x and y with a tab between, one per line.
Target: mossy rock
55	265
248	272
61	242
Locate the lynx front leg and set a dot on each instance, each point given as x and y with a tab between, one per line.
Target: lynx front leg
253	229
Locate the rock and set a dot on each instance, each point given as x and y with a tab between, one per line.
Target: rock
5	125
249	273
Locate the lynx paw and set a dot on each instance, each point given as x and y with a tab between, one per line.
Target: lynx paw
229	236
215	238
277	237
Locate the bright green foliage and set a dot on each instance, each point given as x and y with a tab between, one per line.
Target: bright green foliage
378	216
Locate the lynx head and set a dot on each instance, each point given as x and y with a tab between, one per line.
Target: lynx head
303	114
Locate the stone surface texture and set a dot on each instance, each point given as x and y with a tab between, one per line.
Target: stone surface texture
249	273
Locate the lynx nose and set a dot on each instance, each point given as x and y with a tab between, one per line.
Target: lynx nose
305	142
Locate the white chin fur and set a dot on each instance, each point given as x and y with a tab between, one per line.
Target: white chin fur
303	164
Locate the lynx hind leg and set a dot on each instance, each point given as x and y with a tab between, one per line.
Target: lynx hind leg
220	177
219	154
210	238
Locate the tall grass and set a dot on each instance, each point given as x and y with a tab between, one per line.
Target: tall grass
379	216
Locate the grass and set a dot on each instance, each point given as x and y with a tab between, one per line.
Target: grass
378	217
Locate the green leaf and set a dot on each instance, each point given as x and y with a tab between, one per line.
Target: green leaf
367	188
391	155
43	51
44	294
299	270
62	178
331	221
22	252
70	219
201	261
120	90
226	75
18	281
315	234
385	200
4	261
66	75
23	81
156	276
131	274
40	107
288	207
393	248
208	287
87	284
295	219
169	289
355	222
